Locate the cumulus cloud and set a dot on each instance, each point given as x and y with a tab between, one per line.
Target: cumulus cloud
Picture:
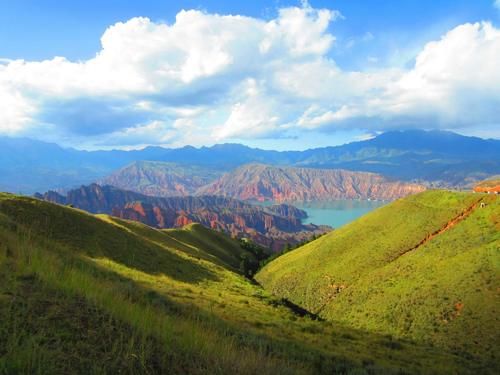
148	71
208	77
16	111
454	83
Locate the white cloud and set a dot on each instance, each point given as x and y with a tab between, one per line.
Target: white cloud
300	30
209	77
155	132
455	83
252	116
16	110
496	4
162	69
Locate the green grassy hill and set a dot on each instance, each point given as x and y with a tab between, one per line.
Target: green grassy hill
94	294
425	268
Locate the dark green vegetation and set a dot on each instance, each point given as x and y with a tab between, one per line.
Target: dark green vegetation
286	249
442	158
424	268
95	294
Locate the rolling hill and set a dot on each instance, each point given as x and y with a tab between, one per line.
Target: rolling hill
424	267
273	226
284	184
95	294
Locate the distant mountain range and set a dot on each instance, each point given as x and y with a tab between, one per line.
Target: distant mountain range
257	182
437	158
273	226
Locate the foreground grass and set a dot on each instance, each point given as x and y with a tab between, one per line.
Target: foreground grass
377	274
86	294
45	331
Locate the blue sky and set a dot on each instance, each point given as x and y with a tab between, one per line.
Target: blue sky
285	75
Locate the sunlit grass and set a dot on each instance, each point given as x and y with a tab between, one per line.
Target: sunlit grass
167	301
443	293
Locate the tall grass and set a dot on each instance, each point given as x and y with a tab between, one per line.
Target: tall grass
194	344
152	304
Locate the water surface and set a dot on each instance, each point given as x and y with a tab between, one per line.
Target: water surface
333	213
337	213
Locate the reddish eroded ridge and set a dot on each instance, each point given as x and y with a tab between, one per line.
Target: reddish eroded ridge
273	226
265	228
488	186
493	189
287	184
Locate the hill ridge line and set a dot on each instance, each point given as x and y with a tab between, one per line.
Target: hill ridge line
450	224
457	219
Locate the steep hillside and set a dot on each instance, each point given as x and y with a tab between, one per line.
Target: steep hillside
425	267
95	294
271	227
265	182
161	179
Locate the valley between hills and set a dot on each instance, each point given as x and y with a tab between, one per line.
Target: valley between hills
272	187
167	267
95	293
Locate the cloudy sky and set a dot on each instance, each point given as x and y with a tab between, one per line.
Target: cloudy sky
272	74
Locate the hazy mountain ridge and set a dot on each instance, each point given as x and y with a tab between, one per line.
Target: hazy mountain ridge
161	179
272	226
257	182
264	182
443	158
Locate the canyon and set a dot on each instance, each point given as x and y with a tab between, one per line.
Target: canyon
259	182
273	227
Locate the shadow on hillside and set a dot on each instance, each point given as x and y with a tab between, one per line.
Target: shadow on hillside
292	336
185	241
87	235
66	333
352	348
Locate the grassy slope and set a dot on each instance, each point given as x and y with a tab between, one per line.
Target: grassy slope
46	331
445	292
91	294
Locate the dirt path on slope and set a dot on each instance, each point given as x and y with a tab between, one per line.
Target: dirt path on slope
450	224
